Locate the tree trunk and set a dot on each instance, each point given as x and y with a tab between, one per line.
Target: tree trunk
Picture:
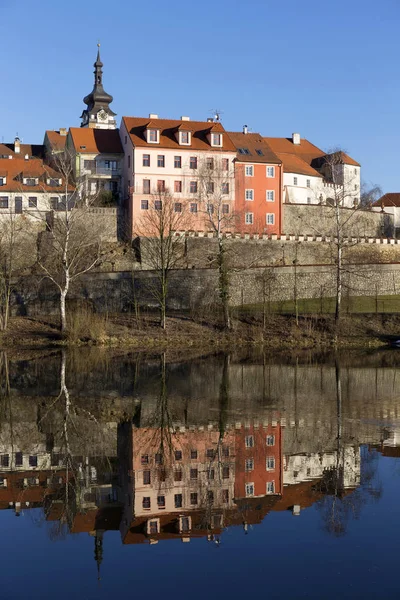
338	284
63	314
223	284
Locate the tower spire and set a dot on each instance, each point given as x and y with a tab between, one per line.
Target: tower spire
98	113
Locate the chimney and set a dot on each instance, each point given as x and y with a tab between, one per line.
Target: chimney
296	510
185	118
17	145
210	120
63	131
245	129
296	139
153	116
26	156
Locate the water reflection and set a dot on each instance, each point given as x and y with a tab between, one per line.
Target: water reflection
165	451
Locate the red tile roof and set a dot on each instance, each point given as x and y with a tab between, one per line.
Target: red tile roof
136	127
389	199
96	141
16	168
56	140
253	142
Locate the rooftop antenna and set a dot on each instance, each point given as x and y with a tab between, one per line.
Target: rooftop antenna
216	114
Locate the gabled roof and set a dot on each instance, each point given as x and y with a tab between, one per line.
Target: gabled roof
295	164
136	127
32	150
16	168
254	144
389	199
95	141
56	140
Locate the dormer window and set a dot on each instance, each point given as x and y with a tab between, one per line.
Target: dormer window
216	139
54	182
30	181
3	180
153	136
184	138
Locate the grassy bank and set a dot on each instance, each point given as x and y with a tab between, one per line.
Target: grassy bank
250	327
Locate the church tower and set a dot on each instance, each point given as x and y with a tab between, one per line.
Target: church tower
98	114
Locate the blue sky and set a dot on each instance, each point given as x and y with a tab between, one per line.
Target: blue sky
328	70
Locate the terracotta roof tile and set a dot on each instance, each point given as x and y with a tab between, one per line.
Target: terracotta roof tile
96	141
389	199
17	168
253	142
56	140
199	130
295	164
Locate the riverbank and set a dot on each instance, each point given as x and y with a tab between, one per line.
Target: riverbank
277	332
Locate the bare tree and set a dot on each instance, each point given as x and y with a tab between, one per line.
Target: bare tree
215	186
73	244
160	242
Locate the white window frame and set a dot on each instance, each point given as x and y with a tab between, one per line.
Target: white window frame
247	487
295	180
272	485
249	439
3	181
268	219
249	218
181	142
270	436
268	467
308	183
181	530
249	194
148	526
271	172
213	139
273	196
249	170
157	140
249	464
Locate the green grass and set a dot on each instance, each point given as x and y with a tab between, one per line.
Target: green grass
352	304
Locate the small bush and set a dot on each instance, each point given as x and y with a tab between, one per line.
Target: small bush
85	325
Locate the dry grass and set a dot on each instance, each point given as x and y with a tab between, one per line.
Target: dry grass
84	325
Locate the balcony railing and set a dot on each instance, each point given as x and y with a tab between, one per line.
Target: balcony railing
101	171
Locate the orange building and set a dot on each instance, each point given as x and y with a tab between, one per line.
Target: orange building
258	185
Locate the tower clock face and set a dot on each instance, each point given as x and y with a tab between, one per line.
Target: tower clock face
102	115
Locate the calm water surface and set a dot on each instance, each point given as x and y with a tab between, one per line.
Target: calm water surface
219	477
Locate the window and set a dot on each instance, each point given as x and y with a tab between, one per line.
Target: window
193	162
216	139
178	500
270	440
249	489
270	219
225	188
5	460
308	182
178	187
308	200
225	209
193	454
270	463
210	453
177	162
161	501
18	459
2	180
249	194
33	460
178	207
32	202
158	204
194	473
210	187
210	209
193	187
210	164
184	137
144	459
146	478
193	207
294	180
54	203
270	171
225	164
153	527
193	498
225	451
54	182
225	472
158	459
146	160
210	496
161	160
211	474
129	161
249	441
244	151
248	218
178	454
3	201
178	475
146	503
152	136
185	524
161	185
270	487
249	170
270	196
249	464
259	152
126	139
30	181
146	186
355	186
144	205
